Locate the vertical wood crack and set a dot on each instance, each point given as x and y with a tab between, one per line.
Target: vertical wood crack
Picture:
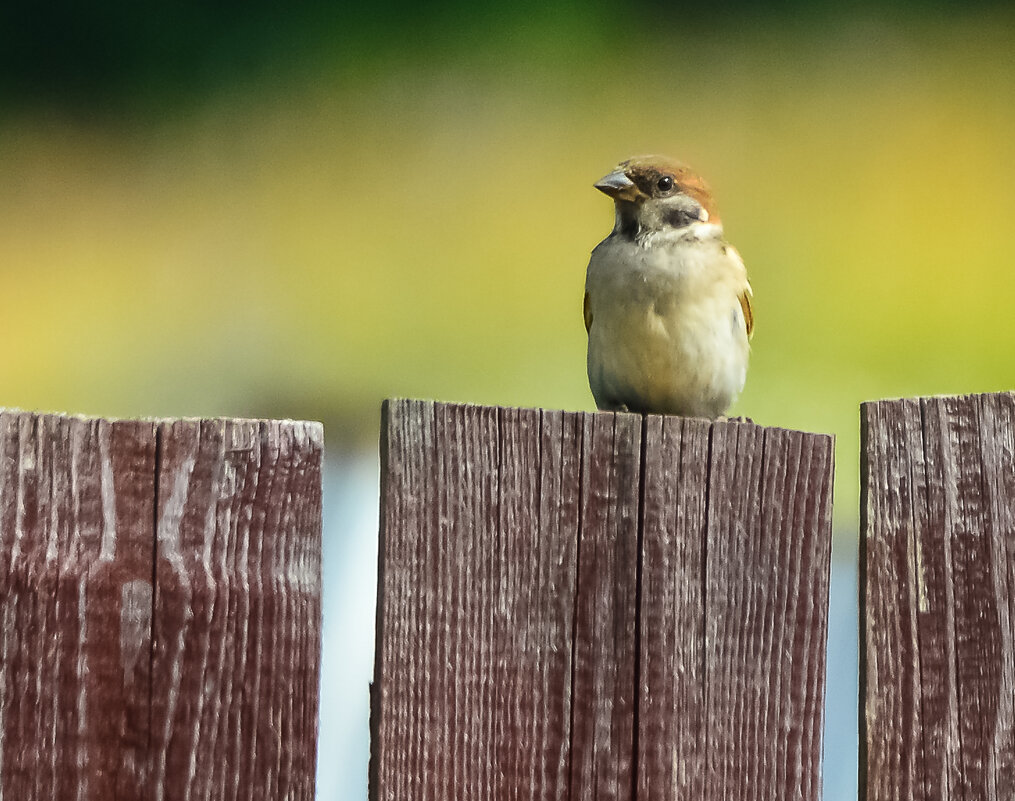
636	699
861	585
916	458
707	750
580	434
158	430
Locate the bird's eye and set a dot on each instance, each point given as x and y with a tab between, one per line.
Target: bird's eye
664	184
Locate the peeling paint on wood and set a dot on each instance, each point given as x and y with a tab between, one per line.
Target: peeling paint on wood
159	608
599	606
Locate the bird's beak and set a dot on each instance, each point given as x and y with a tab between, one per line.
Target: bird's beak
618	186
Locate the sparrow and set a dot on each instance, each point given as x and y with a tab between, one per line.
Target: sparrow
667	302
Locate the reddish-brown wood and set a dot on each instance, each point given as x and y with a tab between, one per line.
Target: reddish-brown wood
605	644
479	567
736	548
159	608
936	592
598	606
672	728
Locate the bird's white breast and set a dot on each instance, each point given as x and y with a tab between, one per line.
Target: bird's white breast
667	331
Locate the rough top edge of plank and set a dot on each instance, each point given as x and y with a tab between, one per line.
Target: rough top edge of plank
944	396
722	421
314	429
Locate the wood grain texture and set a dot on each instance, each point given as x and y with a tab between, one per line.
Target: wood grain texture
734	608
159	608
601	606
936	590
673	733
605	639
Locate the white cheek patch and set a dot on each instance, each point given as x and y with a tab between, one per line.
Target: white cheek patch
703	215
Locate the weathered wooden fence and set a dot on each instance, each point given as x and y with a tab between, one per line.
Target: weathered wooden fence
570	606
598	606
937	598
159	608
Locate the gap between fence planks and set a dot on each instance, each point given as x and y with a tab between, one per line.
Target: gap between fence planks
937	598
598	605
159	608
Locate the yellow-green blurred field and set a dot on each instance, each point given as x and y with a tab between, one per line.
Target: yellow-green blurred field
419	225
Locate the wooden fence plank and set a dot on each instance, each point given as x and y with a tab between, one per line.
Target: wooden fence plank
139	656
672	731
998	426
602	741
478	609
731	615
746	571
408	527
636	607
937	660
536	567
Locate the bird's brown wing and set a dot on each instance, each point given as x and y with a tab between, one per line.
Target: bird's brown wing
747	293
745	304
587	313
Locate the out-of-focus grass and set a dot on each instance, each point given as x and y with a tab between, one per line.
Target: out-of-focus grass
309	247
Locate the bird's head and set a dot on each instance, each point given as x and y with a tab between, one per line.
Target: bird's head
654	194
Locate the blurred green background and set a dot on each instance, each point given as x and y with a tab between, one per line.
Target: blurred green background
256	210
297	210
